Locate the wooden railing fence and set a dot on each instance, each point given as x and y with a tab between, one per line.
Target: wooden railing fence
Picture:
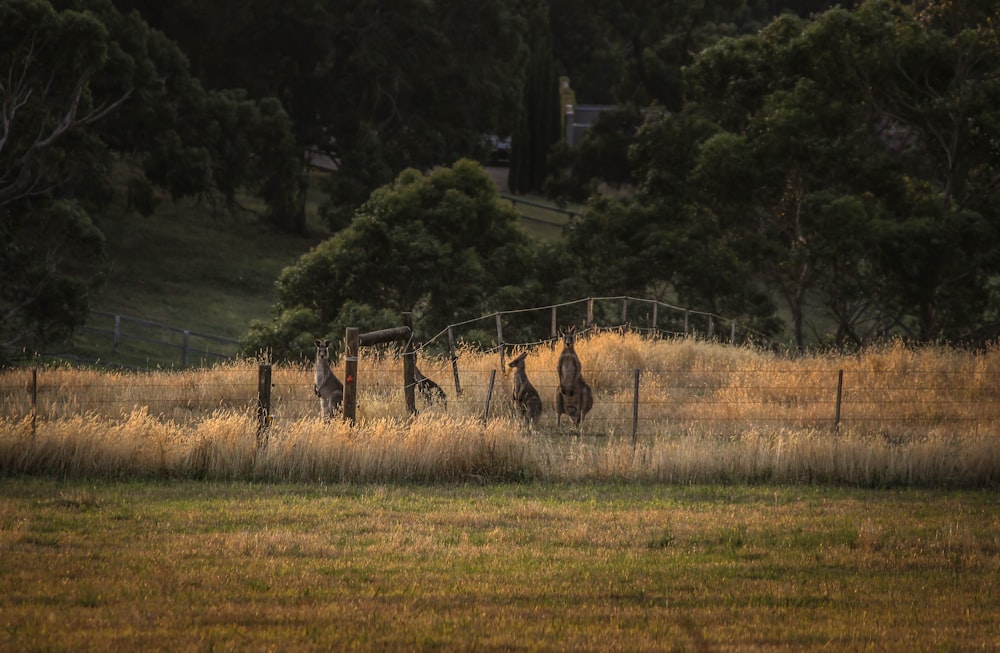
130	334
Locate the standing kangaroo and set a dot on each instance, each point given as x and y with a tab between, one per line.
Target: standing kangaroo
328	387
573	397
526	398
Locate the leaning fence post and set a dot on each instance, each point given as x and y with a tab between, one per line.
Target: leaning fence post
840	393
489	396
34	399
635	410
454	361
117	337
263	402
409	366
500	340
351	375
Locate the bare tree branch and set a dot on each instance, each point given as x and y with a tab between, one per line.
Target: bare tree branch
19	176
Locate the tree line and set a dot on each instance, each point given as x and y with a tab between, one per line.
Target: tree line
761	159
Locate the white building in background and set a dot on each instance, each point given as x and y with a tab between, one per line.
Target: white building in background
576	118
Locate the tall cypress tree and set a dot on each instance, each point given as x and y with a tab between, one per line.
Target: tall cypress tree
538	122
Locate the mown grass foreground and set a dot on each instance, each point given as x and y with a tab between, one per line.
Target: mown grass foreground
218	566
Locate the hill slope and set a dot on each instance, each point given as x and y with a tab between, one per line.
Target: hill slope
212	273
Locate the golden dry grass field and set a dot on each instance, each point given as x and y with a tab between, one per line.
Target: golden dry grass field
704	412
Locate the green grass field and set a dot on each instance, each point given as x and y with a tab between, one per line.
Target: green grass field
198	566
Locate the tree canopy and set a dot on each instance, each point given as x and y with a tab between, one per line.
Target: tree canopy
441	244
87	93
832	167
844	164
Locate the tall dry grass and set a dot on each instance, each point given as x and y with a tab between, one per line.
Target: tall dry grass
706	413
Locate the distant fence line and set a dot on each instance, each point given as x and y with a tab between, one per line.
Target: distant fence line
572	216
660	318
648	316
122	329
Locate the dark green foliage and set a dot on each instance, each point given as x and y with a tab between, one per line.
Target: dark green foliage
442	245
538	120
88	93
840	165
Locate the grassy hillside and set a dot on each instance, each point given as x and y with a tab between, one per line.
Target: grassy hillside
188	268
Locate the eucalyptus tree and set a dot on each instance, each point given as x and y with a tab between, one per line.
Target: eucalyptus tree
89	96
376	87
878	117
442	245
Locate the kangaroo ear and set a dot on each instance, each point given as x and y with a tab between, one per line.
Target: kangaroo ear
318	343
326	343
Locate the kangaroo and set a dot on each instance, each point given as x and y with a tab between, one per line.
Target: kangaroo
577	404
526	398
573	397
569	363
431	391
327	387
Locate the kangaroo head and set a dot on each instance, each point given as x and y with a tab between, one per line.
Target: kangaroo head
322	349
519	361
569	337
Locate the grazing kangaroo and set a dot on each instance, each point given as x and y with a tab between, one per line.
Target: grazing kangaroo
328	387
526	398
573	397
431	391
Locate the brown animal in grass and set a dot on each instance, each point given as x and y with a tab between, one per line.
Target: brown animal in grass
430	390
327	386
574	396
526	398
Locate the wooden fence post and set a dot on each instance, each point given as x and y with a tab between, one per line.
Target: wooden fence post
34	399
635	410
454	361
184	348
687	321
840	393
500	340
554	331
489	396
590	312
117	337
409	366
624	311
732	332
351	375
263	403
656	305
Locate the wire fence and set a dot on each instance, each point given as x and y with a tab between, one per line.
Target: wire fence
136	343
650	317
642	402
